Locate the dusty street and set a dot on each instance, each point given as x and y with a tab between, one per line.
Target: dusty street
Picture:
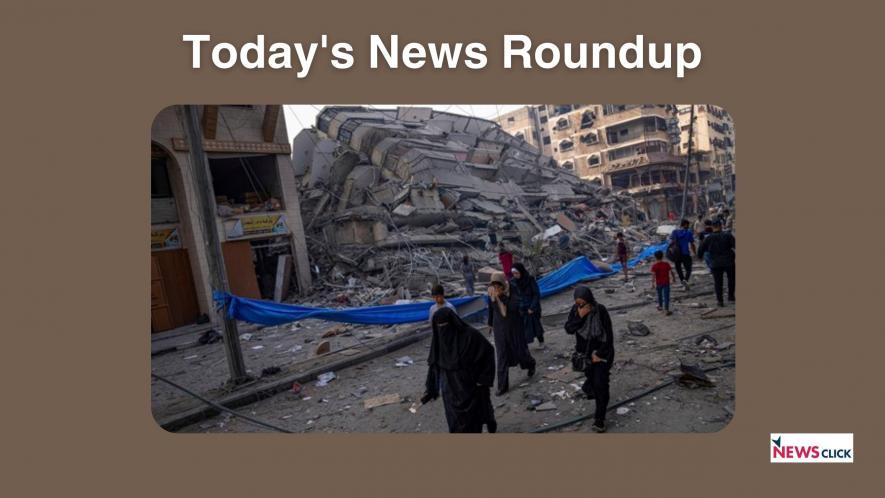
540	403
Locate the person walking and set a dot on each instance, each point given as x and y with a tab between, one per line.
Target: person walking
505	324
720	245
591	325
469	275
506	259
529	303
661	272
682	244
461	368
622	253
698	226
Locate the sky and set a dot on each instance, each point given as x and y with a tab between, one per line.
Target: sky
304	116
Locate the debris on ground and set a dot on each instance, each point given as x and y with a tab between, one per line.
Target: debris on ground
211	336
404	361
273	370
692	377
387	399
324	378
638	328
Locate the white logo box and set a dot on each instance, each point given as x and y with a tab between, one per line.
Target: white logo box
811	447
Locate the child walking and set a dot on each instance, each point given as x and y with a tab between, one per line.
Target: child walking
662	273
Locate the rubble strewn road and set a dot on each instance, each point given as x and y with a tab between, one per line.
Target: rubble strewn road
392	383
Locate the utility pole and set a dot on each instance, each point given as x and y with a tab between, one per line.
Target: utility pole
688	160
217	275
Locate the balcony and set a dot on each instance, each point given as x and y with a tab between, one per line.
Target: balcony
632	114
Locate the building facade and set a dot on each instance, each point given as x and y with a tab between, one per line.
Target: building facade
257	212
631	147
713	147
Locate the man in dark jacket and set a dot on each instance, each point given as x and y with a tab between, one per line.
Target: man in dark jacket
721	248
591	325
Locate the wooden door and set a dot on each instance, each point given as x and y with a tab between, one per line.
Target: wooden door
173	296
240	269
161	318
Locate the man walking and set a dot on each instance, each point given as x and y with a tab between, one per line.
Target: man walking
721	248
682	241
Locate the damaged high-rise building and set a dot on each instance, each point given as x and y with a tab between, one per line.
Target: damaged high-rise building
390	195
635	148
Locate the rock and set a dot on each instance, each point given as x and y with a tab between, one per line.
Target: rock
322	348
637	328
623	410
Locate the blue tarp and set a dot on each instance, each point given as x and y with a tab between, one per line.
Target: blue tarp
270	313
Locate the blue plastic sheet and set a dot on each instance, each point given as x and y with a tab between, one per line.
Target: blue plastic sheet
270	313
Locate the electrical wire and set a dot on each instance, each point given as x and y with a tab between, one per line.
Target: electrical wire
223	408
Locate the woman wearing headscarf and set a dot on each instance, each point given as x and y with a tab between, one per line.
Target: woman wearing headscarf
529	303
462	369
591	325
506	324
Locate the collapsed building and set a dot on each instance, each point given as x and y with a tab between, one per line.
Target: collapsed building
392	198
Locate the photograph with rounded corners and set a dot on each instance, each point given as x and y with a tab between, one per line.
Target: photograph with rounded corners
453	268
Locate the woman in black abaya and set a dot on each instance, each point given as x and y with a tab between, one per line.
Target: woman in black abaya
461	369
529	303
591	325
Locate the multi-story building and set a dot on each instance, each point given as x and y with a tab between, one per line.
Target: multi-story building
527	124
624	146
258	215
713	148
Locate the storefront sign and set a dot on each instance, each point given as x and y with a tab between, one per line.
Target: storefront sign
262	224
165	238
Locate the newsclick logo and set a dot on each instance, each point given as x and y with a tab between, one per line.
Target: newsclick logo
812	448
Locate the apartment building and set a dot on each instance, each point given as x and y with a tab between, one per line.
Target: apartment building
258	215
630	147
713	147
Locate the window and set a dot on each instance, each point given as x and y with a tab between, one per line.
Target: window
160	186
543	119
568	165
587	119
593	160
546	140
246	184
589	138
562	123
511	119
566	145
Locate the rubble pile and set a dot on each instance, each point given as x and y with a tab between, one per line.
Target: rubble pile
393	198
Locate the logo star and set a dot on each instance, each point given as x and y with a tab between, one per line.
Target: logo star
777	441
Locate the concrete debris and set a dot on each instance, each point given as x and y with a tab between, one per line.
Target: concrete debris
637	328
393	200
322	348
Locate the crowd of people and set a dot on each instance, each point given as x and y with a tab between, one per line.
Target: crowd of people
464	366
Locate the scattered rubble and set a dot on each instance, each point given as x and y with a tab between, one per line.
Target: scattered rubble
393	198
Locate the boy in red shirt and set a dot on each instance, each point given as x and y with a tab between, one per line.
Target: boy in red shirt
661	272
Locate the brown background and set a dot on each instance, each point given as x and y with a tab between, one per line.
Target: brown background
81	84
